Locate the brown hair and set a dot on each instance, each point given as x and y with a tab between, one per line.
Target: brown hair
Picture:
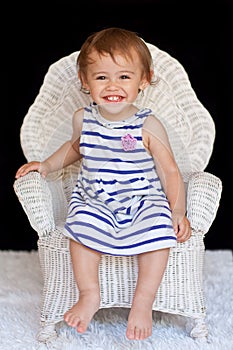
112	41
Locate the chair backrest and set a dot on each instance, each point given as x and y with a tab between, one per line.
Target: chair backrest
190	127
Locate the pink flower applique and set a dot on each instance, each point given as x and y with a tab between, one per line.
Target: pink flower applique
128	142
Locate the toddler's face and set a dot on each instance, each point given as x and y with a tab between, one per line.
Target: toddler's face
112	82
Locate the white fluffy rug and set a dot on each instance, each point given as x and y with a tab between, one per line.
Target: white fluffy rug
20	288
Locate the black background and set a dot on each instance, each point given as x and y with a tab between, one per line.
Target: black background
198	34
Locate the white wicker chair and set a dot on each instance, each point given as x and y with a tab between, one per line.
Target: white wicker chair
191	131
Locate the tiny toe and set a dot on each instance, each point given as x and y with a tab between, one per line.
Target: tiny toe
130	333
82	327
137	334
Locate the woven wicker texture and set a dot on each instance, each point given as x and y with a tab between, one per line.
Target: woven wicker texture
191	132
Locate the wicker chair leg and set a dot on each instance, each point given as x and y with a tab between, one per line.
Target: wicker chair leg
47	333
200	329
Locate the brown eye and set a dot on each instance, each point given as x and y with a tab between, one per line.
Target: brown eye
124	77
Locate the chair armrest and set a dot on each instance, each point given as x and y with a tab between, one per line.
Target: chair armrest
203	197
35	197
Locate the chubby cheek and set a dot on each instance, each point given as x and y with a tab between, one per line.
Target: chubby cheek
95	94
133	95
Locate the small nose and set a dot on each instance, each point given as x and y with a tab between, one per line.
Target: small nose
112	85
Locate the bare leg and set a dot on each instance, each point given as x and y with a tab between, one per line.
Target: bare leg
152	266
86	271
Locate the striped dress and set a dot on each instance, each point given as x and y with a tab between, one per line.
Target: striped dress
118	206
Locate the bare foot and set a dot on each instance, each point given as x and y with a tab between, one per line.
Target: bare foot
80	315
139	321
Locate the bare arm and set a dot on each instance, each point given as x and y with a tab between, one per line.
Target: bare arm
156	141
67	154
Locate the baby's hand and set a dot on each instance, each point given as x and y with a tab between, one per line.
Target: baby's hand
181	226
32	166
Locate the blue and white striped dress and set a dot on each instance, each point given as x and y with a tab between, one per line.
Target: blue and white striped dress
118	206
